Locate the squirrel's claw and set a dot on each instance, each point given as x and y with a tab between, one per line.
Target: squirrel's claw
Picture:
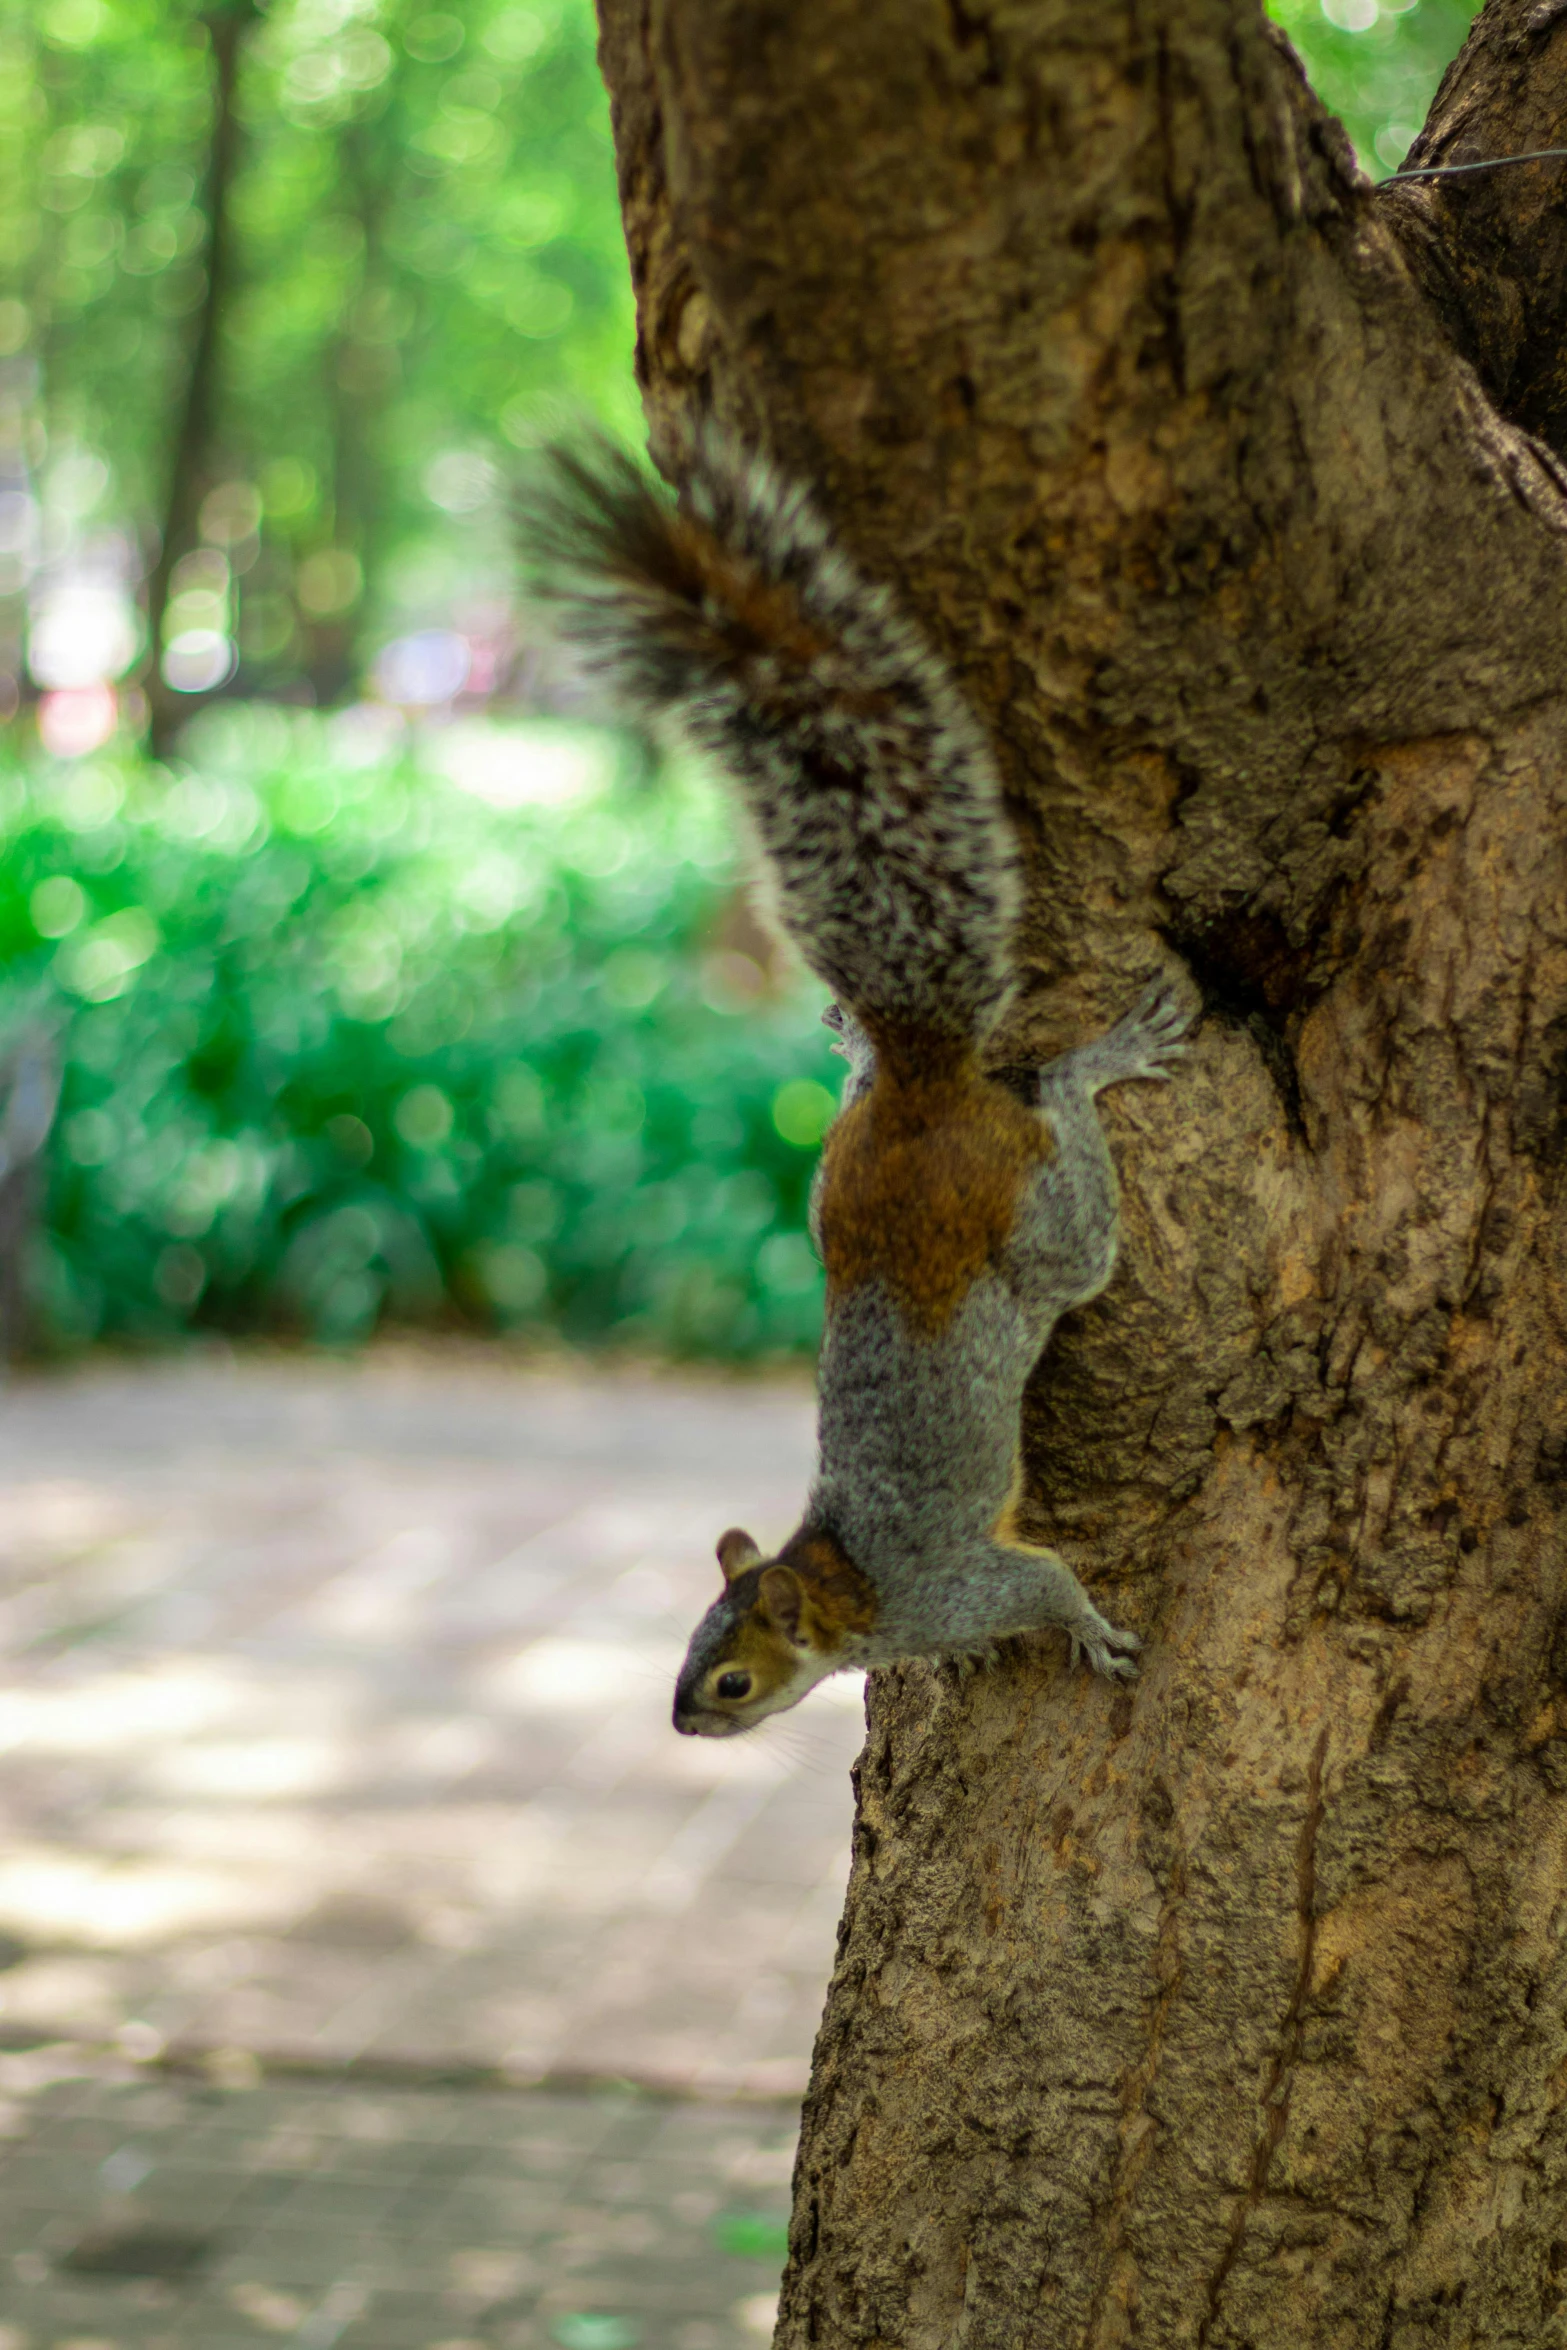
1153	1034
1096	1646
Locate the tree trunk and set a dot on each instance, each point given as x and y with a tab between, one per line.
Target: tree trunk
29	1096
362	373
1230	2009
190	454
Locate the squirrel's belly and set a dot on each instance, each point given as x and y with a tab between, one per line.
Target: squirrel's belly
919	1435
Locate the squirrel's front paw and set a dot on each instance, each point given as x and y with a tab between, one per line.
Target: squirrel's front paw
1106	1649
1153	1034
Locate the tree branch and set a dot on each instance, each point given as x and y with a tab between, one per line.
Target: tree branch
1490	251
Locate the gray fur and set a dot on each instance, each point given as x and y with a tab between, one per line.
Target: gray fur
864	773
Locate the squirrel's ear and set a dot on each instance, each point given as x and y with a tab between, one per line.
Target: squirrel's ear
736	1552
781	1597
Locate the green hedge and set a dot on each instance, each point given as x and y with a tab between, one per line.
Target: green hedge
344	1043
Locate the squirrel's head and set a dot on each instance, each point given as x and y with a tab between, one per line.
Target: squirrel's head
778	1628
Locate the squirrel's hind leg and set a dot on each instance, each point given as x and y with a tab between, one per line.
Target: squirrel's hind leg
1143	1044
1064	1243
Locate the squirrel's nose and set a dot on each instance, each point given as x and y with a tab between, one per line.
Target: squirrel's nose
684	1724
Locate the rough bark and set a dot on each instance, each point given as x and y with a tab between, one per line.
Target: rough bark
1231	2009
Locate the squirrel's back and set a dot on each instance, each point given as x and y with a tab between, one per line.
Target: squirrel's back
922	1180
864	772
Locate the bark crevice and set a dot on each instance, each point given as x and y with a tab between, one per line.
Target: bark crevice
1275	2096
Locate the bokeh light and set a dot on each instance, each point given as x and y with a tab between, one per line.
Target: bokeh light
77	720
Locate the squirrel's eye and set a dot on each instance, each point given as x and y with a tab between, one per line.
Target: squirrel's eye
732	1685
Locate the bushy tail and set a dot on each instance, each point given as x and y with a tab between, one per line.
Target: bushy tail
863	770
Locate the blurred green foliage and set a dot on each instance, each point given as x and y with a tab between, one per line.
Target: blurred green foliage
426	260
1376	63
752	2235
345	1043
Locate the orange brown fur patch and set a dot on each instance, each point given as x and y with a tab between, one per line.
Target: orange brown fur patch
922	1180
838	1598
1005	1528
756	616
761	617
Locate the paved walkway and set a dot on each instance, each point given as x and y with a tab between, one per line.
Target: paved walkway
338	1772
143	2213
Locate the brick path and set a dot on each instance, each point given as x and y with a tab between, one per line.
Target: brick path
338	1773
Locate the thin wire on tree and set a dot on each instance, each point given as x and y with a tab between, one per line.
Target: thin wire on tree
1437	171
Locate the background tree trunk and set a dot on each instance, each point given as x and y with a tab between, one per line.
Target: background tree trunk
29	1097
1230	2009
191	450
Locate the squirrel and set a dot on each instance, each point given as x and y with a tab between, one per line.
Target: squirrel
957	1221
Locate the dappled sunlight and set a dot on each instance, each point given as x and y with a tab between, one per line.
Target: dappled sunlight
257	1769
371	1749
381	1598
570	1676
90	1992
58	1516
117	1710
58	1896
